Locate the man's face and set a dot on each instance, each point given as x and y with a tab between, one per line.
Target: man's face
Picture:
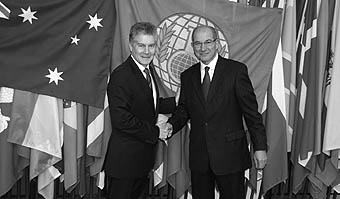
204	45
143	48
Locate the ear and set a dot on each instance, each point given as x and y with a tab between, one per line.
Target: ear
130	46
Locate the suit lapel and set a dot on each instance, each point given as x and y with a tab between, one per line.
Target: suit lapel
141	81
196	82
152	71
216	81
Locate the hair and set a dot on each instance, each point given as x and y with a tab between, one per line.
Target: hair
146	28
213	30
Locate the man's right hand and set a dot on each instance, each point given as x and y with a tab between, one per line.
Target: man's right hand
165	130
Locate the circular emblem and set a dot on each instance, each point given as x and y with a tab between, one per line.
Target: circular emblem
174	53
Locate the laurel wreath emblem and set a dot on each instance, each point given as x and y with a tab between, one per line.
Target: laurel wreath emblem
163	42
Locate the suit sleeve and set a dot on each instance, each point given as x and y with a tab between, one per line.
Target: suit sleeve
120	101
247	100
167	105
180	116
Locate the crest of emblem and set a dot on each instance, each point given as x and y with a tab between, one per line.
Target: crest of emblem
174	53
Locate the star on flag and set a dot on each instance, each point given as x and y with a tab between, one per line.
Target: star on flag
75	40
94	22
54	76
28	15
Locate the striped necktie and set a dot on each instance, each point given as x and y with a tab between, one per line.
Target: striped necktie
148	77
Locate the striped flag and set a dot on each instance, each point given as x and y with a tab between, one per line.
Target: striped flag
306	33
289	65
4	11
307	119
98	134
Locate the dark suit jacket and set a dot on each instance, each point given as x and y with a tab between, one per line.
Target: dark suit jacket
217	135
131	150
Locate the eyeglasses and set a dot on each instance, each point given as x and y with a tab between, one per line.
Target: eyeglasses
207	43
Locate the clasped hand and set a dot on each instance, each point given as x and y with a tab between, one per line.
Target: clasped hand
165	130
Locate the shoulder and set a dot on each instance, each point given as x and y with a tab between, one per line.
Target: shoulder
231	62
232	65
122	73
124	68
191	69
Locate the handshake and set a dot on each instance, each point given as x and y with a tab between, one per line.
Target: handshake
165	130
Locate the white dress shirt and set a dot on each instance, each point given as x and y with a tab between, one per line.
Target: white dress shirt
211	65
141	68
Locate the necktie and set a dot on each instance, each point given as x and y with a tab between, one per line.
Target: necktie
206	83
148	78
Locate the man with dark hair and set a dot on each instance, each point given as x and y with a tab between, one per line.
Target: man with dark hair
134	104
215	95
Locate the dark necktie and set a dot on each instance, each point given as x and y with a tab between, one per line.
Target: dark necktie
206	83
148	77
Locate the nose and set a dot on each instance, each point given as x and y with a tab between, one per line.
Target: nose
203	47
146	49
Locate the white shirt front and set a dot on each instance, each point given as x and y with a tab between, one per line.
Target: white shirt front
211	65
141	68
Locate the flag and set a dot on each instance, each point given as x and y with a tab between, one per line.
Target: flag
232	20
160	167
41	131
13	156
275	109
332	127
289	65
73	143
4	11
307	128
330	175
7	165
276	169
58	48
98	134
319	176
70	144
176	20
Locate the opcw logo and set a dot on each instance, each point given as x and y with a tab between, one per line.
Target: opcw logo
174	53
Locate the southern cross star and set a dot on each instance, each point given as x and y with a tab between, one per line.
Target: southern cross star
75	40
28	15
94	22
54	76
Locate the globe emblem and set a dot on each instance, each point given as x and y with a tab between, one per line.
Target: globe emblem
174	53
178	62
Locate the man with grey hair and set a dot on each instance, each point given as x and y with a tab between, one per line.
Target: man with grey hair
134	104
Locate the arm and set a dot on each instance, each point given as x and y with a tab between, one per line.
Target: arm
167	105
120	103
180	117
247	100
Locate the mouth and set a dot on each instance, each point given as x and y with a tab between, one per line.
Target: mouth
204	54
